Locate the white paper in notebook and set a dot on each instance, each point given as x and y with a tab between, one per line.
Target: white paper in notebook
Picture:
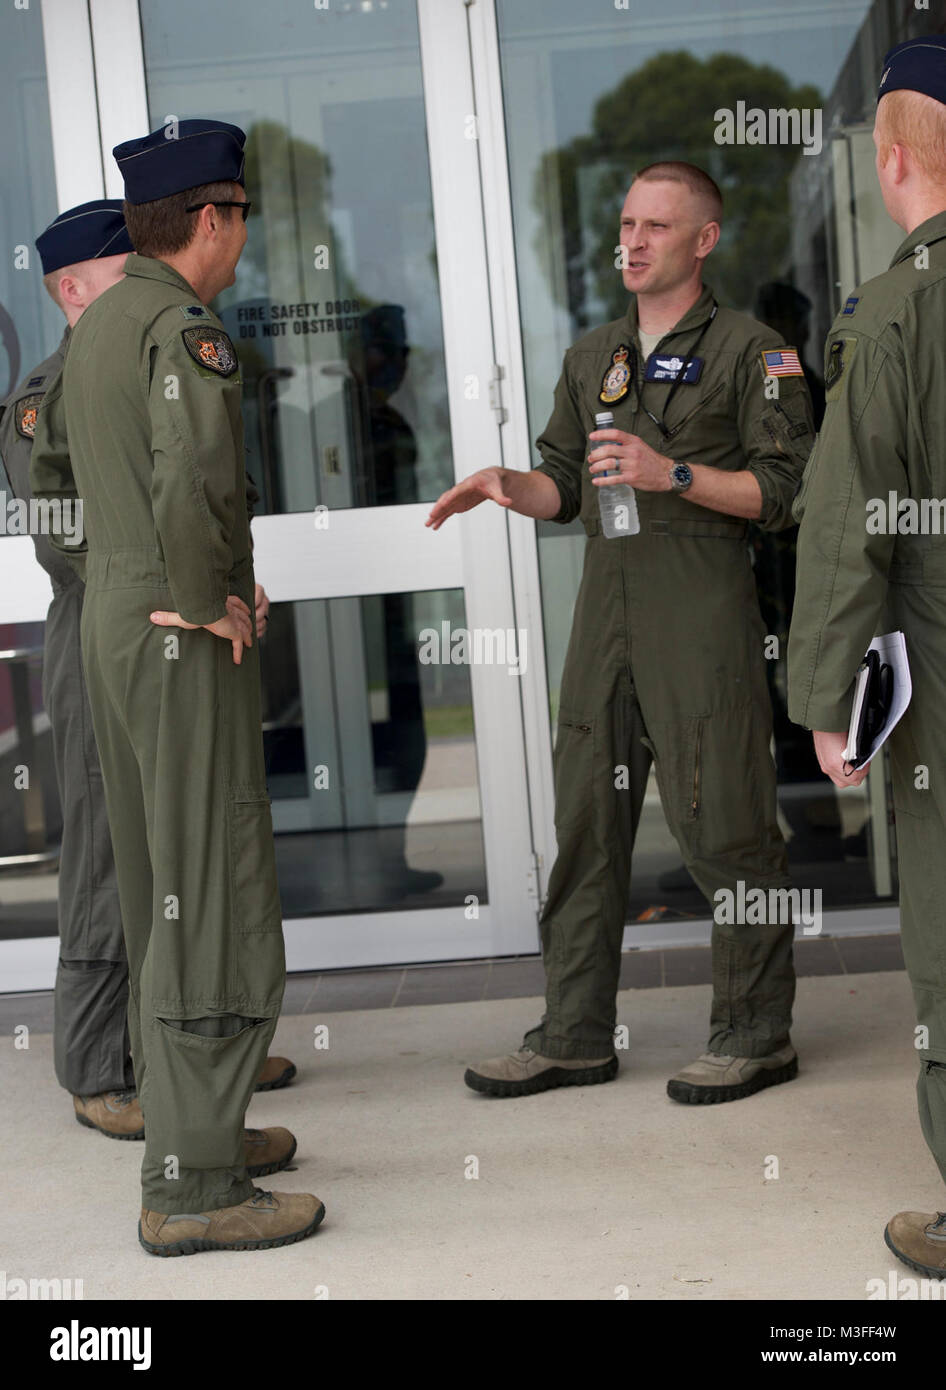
892	648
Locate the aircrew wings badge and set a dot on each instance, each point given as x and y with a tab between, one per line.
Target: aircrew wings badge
27	411
210	347
617	378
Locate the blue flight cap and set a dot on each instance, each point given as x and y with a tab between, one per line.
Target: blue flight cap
919	65
180	156
84	234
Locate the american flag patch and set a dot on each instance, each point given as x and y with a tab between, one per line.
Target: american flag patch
782	362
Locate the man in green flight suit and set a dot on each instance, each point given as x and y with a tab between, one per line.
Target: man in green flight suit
144	426
666	657
82	253
865	566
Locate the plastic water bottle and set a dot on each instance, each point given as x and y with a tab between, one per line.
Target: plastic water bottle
617	504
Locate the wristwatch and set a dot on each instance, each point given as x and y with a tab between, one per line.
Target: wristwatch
681	476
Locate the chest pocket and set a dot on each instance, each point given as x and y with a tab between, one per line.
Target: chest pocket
693	412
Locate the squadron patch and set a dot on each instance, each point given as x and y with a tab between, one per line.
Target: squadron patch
617	378
210	347
26	413
839	359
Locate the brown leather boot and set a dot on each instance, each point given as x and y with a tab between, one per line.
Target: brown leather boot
267	1150
264	1220
277	1072
115	1114
919	1239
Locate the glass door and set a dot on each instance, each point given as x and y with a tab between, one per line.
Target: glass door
396	772
394	665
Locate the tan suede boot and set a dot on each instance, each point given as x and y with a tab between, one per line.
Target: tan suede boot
715	1077
277	1072
261	1222
919	1240
525	1072
115	1114
267	1150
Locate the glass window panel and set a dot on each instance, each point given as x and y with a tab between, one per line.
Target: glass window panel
587	104
370	756
336	309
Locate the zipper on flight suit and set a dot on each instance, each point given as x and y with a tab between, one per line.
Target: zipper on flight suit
695	802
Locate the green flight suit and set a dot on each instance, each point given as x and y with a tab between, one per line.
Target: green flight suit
884	431
90	1036
144	425
666	663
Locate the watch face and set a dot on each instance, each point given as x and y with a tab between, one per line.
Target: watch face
682	475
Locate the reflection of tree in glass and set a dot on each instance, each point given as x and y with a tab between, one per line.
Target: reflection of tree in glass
665	110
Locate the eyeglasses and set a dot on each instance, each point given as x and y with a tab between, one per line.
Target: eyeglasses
244	207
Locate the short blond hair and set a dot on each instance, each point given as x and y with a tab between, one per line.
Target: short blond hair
51	281
919	122
705	189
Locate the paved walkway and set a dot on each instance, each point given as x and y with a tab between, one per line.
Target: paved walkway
579	1192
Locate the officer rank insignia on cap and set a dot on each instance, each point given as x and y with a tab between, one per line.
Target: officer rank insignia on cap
617	378
26	412
782	362
210	347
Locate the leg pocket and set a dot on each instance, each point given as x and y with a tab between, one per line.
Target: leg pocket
678	766
574	770
256	906
197	1091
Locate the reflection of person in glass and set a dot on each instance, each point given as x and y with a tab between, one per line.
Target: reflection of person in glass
788	312
882	441
388	456
665	661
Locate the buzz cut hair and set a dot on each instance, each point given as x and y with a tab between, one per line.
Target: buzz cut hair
917	121
51	282
695	179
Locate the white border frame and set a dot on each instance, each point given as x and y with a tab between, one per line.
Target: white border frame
517	444
73	109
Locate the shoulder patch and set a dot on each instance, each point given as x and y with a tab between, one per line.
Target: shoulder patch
839	359
210	347
27	410
782	362
194	311
850	305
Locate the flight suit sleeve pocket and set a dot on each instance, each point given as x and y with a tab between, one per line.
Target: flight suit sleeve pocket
256	906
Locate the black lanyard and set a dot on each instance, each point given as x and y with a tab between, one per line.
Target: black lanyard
662	422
